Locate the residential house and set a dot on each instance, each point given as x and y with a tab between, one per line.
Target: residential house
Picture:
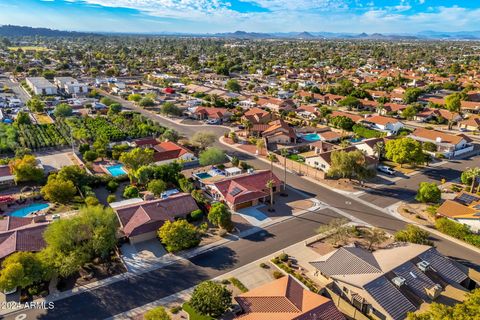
140	221
70	85
21	235
167	151
428	114
369	146
206	113
257	115
385	124
41	86
279	132
472	123
464	208
389	283
323	160
392	108
276	105
7	178
447	144
246	190
308	112
285	299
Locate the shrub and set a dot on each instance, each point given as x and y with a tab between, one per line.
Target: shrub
283	257
264	265
112	185
277	274
130	192
111	198
157	313
91	201
237	283
196	215
175	310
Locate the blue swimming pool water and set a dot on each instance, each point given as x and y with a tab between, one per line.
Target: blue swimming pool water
355	140
311	137
23	212
203	175
116	170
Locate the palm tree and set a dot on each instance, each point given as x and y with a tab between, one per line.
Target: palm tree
272	157
248	126
284	153
474	173
260	145
270	184
379	149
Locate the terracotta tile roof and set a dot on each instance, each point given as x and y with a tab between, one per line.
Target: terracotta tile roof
381	120
212	112
286	299
473	121
9	223
279	125
247	187
330	135
394	107
146	142
148	216
28	238
427	112
432	135
256	111
168	150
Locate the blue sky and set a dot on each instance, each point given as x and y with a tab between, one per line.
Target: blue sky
207	16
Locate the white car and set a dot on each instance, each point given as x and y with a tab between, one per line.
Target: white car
386	170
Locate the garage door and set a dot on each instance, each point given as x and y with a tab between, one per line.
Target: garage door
244	205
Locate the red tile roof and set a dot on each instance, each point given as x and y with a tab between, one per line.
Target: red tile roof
147	216
286	299
27	238
247	187
168	150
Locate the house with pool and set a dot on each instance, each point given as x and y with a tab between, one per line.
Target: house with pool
245	190
322	160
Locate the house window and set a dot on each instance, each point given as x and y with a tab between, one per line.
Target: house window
323	166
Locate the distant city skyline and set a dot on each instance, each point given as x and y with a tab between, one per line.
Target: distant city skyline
216	16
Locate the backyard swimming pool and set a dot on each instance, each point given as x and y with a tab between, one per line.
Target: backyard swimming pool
116	170
311	137
203	175
23	212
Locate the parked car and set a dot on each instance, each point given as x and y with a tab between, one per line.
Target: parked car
386	170
212	121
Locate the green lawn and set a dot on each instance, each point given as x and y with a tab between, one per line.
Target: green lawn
193	315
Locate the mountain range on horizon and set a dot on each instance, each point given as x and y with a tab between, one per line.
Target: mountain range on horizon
18	31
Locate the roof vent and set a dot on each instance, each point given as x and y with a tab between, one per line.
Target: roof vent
399	281
423	265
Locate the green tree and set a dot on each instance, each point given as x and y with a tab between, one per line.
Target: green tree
375	236
136	158
428	192
466	310
212	156
146	102
26	169
107	101
186	185
156	187
131	192
211	298
58	190
23	118
90	155
409	112
413	234
169	108
453	104
470	177
452	228
404	150
36	105
157	313
134	97
22	269
220	216
73	242
63	110
349	165
411	95
233	85
114	108
350	102
178	235
204	139
342	122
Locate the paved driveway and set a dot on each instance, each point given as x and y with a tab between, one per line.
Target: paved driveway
142	255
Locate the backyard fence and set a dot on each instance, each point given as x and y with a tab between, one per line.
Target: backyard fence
302	169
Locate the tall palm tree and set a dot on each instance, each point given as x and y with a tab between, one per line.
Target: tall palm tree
474	173
248	126
284	153
379	149
272	157
270	184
